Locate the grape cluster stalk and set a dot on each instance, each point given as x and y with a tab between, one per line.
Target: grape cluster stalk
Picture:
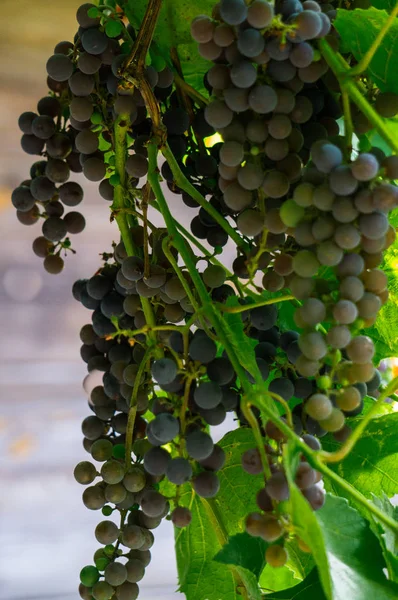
307	218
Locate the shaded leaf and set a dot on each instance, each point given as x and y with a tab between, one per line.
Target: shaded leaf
213	521
354	554
244	345
298	566
245	551
388	538
274	580
309	589
358	29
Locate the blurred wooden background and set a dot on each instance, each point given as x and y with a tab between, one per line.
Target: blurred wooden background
46	534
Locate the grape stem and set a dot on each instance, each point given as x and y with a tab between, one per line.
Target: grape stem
190	91
342	72
246	307
369	54
133	406
120	141
251	419
348	125
355	436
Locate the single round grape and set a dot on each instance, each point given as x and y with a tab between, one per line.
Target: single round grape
385	197
345	312
215	461
352	264
313	311
250	42
302	111
224	35
312	345
218	115
135	570
368	306
181	516
165	427
281	71
233	12
305	263
326	157
244	75
206	484
179	471
59	67
164	370
102	450
93	497
318	407
89	575
263	99
348	399
87	141
112	471
94	169
127	591
361	349
334	422
199	445
31	144
137	166
277	487
305	476
276	184
135	480
132	535
329	254
43	127
375	281
106	532
276	556
251	461
302	388
365	167
85	472
153	504
283	387
315	497
156	460
237	198
374	225
387	104
202	28
338	336
115	573
115	493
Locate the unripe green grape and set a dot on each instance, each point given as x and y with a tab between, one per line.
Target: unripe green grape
334	422
348	398
291	213
102	591
89	575
276	556
93	497
115	493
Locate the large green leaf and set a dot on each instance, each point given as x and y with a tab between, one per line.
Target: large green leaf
354	554
388	538
243	344
213	521
372	465
309	589
387	5
173	31
358	29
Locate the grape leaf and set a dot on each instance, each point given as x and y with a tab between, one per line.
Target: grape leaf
244	551
387	5
358	29
354	553
388	539
309	589
298	566
244	345
372	465
200	577
173	31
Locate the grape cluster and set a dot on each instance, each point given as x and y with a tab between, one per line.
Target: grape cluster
73	131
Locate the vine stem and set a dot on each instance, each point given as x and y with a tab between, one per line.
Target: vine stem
120	137
354	93
144	37
349	444
190	91
369	54
133	406
240	309
348	125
